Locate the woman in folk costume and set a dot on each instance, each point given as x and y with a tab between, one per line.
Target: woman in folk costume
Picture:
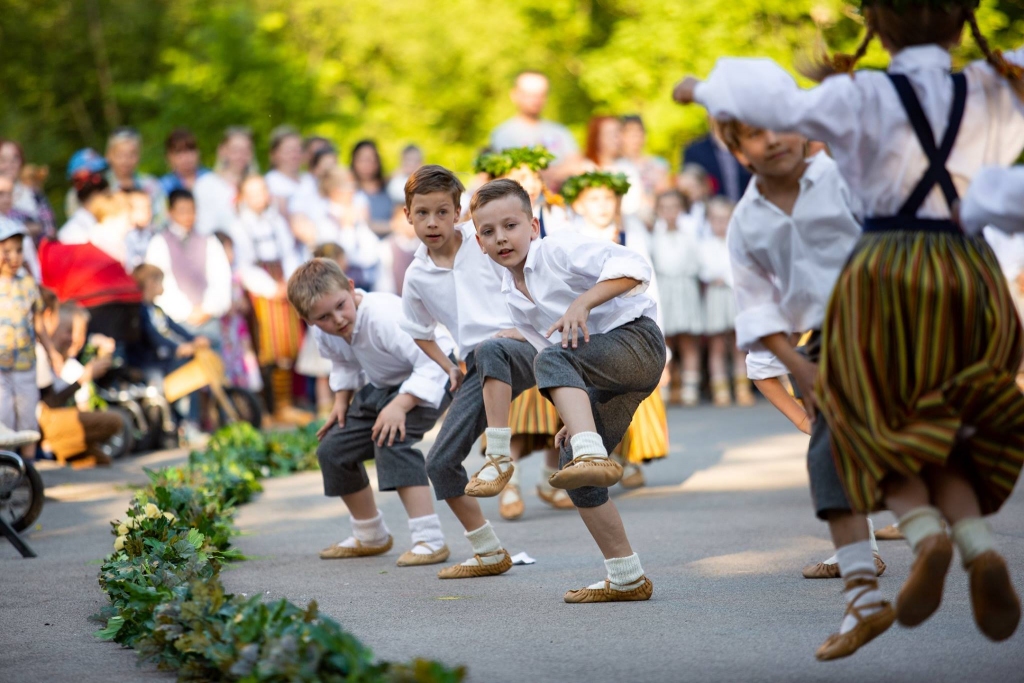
921	342
596	198
533	419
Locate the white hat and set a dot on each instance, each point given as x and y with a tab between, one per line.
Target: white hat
9	228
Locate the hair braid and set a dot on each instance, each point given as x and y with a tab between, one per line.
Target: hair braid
1008	70
821	67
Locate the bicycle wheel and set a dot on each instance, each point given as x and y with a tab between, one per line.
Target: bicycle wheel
246	405
121	443
21	497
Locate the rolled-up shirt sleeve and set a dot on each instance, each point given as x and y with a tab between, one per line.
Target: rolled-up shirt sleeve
609	261
996	198
418	322
758	309
763	364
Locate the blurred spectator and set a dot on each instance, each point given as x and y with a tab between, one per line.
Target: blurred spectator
695	185
182	153
728	177
412	159
216	193
30	205
396	253
197	275
528	129
236	347
113	224
346	225
604	148
7	211
308	206
369	175
285	165
652	171
136	242
86	171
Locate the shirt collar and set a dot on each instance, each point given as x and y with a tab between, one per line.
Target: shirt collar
468	231
82	215
919	58
179	231
816	167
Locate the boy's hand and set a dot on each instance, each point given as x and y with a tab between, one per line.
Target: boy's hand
201	343
572	324
455	377
683	92
805	372
337	417
390	424
510	334
805	425
562	437
186	350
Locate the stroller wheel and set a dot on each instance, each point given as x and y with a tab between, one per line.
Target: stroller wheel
21	497
121	443
246	405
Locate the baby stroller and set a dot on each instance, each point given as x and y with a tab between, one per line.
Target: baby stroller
21	488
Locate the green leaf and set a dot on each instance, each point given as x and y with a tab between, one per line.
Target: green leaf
196	538
114	625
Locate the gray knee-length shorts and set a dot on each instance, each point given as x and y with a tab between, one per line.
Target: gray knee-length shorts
344	449
618	370
507	360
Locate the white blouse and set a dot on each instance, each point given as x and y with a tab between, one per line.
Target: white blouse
561	267
675	253
996	198
864	123
466	298
714	261
382	354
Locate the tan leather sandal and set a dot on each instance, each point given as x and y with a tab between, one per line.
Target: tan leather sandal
922	591
339	552
868	628
821	570
889	533
994	601
411	559
478	488
587	470
609	594
461	571
556	498
511	510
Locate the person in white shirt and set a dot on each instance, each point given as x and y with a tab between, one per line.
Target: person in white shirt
996	198
533	419
216	193
596	198
345	222
451	282
581	303
388	395
197	274
285	172
913	424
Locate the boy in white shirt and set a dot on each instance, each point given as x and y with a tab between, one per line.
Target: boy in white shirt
581	303
396	395
452	282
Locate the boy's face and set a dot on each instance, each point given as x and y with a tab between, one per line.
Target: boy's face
12	258
769	153
530	180
433	218
597	205
718	219
152	288
669	208
335	312
63	334
123	157
504	231
255	194
141	209
184	161
694	187
183	213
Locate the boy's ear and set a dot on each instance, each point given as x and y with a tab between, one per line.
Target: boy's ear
744	161
408	214
351	285
534	228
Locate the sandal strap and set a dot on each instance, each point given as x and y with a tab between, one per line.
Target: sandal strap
588	458
494	462
866	583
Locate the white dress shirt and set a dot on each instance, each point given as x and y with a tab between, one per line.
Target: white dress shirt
785	266
866	127
996	198
465	298
561	267
714	261
215	204
217	297
382	354
78	229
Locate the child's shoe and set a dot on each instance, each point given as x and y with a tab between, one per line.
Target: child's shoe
922	591
744	393
632	477
609	594
510	504
556	498
994	601
487	564
479	487
347	549
867	628
413	559
720	393
889	533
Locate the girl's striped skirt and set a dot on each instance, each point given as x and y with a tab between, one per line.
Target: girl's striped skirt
921	345
647	436
535	418
278	332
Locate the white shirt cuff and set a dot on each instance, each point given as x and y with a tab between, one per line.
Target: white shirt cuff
416	331
764	365
759	321
429	392
619	267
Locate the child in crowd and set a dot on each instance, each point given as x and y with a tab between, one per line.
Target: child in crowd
346	223
240	364
388	395
596	199
720	309
452	283
580	302
675	253
933	433
694	184
412	159
310	363
20	324
533	419
136	241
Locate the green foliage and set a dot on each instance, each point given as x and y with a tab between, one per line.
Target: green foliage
166	597
498	164
573	187
399	71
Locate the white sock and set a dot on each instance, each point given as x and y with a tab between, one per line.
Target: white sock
427	530
484	541
856	558
499	444
871	536
545	475
624	573
369	532
587	443
919	524
973	536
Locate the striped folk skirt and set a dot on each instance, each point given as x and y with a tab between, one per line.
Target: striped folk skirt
278	332
535	418
647	436
921	346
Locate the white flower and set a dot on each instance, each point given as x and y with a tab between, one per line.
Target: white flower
122	530
168	515
152	511
119	543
